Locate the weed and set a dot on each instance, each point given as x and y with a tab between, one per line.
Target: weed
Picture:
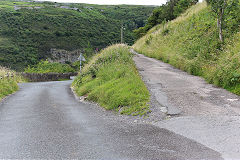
149	39
165	32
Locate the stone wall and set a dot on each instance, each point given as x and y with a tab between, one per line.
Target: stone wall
42	77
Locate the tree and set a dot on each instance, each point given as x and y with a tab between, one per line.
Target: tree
218	7
232	16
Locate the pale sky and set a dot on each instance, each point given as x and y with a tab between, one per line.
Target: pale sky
138	2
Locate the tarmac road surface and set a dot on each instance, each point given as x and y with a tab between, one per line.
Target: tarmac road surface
198	110
45	121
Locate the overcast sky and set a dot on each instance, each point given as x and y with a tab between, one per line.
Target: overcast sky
138	2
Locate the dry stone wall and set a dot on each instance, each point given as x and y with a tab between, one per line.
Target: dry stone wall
42	77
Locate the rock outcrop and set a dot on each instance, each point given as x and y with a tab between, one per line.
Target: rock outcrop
63	56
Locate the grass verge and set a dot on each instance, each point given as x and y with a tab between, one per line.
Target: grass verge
112	80
8	82
191	43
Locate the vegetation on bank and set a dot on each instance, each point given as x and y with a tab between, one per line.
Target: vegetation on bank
48	67
28	30
162	14
191	43
111	79
8	82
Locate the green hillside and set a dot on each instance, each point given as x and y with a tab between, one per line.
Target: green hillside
28	30
191	43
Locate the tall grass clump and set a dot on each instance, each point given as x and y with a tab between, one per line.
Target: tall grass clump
8	82
112	80
191	43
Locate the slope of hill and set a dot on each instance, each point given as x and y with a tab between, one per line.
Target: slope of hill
28	30
191	43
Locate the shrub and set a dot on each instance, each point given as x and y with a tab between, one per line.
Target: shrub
48	67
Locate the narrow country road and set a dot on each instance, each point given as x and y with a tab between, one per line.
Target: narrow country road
45	121
196	109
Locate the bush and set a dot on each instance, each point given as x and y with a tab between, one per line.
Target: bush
47	67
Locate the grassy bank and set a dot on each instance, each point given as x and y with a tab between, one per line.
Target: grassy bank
112	80
8	82
191	43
